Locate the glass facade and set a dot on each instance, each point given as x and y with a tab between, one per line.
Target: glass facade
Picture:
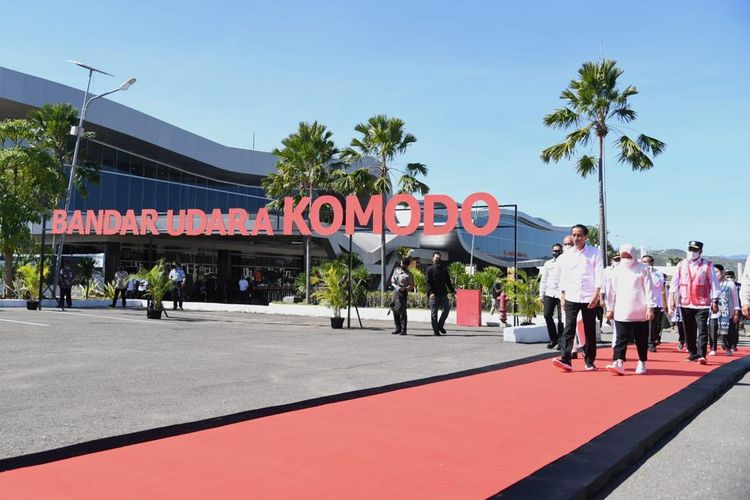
129	181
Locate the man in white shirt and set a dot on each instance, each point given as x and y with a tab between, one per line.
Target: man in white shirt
660	295
549	294
631	304
698	292
177	277
580	283
244	286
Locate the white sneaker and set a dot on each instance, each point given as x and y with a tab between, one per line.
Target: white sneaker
712	353
640	369
616	367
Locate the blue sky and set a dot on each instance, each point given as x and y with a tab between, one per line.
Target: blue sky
472	80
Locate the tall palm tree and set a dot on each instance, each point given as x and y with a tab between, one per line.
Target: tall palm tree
384	139
53	123
304	164
594	104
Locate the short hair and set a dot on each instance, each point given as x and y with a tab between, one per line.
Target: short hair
405	262
582	228
647	257
719	267
437	253
557	245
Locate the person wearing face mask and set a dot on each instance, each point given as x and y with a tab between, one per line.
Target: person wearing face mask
676	318
728	314
745	289
614	262
438	286
734	328
698	291
580	285
654	325
630	303
549	294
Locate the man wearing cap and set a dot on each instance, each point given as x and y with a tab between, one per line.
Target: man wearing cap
698	291
660	295
549	294
630	303
580	285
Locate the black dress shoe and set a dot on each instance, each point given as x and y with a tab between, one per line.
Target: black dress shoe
652	348
437	334
551	345
396	332
402	333
442	330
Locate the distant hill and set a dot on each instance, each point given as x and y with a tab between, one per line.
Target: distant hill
661	258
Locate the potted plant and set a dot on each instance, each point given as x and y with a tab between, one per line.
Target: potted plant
28	285
158	287
524	292
331	291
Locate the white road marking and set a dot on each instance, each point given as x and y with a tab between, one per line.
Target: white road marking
23	322
102	317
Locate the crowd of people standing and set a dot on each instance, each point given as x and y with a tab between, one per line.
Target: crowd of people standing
702	300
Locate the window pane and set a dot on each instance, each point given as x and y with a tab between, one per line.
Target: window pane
109	158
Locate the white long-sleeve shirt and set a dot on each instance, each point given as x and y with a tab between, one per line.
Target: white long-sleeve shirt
549	283
580	273
745	282
657	278
694	266
630	292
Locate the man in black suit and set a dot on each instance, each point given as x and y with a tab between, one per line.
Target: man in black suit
438	285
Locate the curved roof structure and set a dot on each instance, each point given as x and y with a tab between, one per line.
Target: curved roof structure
134	130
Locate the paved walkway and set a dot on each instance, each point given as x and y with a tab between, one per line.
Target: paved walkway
85	374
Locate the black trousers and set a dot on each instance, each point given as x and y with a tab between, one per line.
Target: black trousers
121	292
713	333
733	337
589	327
65	295
654	328
627	330
554	328
177	295
399	310
443	304
695	322
680	332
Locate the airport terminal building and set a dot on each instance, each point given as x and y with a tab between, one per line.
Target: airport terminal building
149	164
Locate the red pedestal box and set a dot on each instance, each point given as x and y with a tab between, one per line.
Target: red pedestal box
468	307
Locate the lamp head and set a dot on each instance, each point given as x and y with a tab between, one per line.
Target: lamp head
126	85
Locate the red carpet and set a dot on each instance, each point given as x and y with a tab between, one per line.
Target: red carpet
463	438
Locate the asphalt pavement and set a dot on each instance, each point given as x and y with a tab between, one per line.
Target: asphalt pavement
85	374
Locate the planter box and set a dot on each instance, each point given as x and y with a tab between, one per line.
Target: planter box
532	334
468	307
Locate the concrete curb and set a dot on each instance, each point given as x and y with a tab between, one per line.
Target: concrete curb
586	470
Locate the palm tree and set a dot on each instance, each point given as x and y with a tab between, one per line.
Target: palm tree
593	104
87	271
384	139
52	123
304	165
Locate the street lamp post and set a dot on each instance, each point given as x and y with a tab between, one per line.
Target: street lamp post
78	132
